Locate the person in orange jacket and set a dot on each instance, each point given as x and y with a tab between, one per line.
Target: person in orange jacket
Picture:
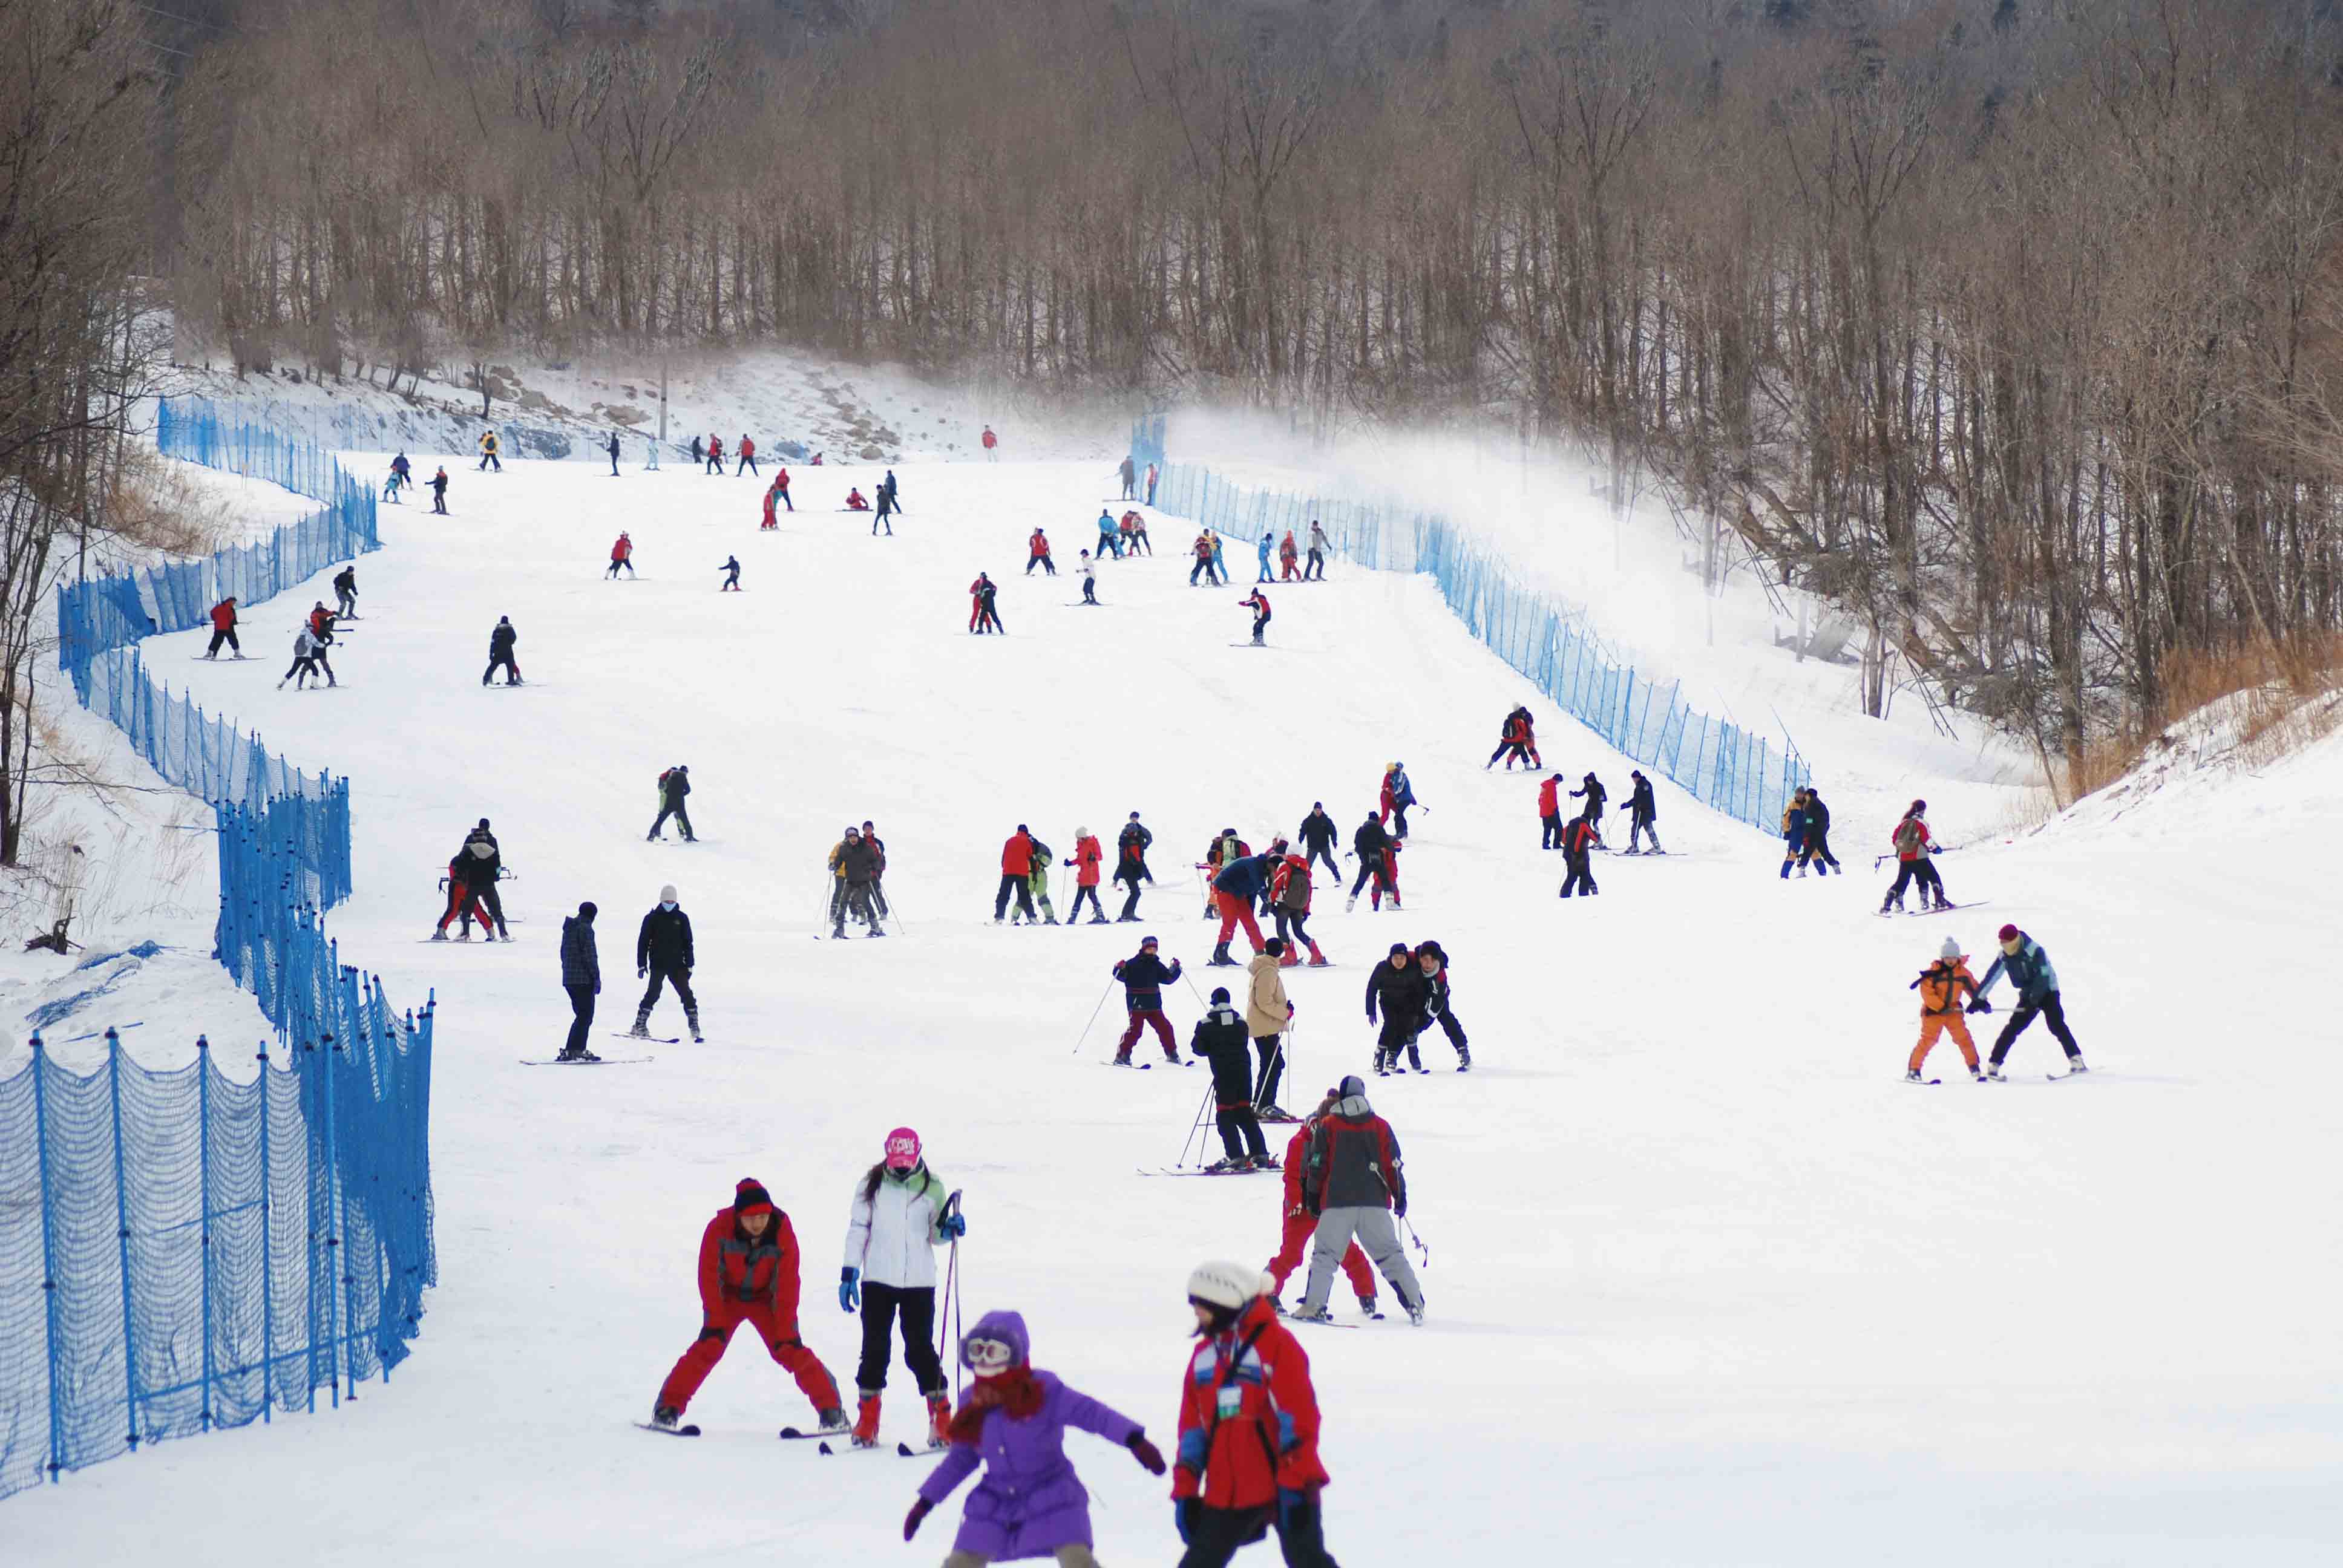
1940	986
1038	554
1301	1224
749	1275
622	554
1248	1456
1016	875
1088	857
224	628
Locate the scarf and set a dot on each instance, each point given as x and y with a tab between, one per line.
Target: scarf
1014	1393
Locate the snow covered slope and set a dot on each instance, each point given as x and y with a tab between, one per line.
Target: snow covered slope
1708	1285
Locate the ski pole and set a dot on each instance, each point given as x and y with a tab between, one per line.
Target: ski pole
1094	1012
1201	1106
950	1298
1422	1250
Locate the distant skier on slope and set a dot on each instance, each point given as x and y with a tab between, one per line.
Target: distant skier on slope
1144	975
1940	986
582	978
747	452
1089	854
749	1267
1131	864
674	785
479	864
1550	812
1315	569
1912	847
855	502
1817	848
1257	602
1261	554
1317	835
1288	554
346	591
984	614
663	956
223	616
731	570
991	443
1016	877
439	492
304	659
1794	832
1037	549
501	640
1592	788
1643	810
622	554
1133	528
1516	742
885	515
1090	580
859	859
1038	878
1396	795
1127	475
1290	892
1202	550
1236	887
610	445
1371	842
1109	538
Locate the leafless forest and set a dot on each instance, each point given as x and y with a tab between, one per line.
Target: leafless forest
2009	325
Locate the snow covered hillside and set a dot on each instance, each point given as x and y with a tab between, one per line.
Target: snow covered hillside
1708	1285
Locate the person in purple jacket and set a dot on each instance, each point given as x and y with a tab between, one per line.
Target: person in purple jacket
1031	1503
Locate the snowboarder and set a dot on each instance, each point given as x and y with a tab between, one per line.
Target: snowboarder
1794	832
1248	1452
1219	1039
439	491
489	448
1319	545
1578	842
1016	875
1395	986
1257	602
1129	474
1371	842
1289	906
859	859
749	1273
1912	847
1037	549
1288	554
476	867
1817	847
1940	986
305	651
1433	959
2028	967
1396	795
346	591
1234	888
1090	580
622	554
1089	854
1550	812
1031	1503
1317	835
1038	880
224	628
1592	788
663	955
1266	1015
991	443
1355	1181
747	452
900	1213
1643	810
1299	1225
731	570
582	978
611	447
501	639
1130	863
1110	539
1144	975
674	784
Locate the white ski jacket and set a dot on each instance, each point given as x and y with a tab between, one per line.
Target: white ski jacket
892	1236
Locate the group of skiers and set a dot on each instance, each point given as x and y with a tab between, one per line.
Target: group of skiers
710	456
1943	983
857	870
664	957
1806	834
310	639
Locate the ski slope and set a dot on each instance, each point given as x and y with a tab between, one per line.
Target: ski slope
1707	1282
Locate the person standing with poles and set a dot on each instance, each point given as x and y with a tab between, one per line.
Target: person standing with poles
489	447
1267	1015
663	955
1354	1183
224	629
749	1273
501	641
1143	976
582	978
2028	967
1643	809
1088	857
899	1216
1299	1225
878	877
1219	1038
1912	847
1131	864
858	872
439	491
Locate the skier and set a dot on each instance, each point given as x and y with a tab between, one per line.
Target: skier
1129	474
611	447
1297	1224
1248	1454
402	475
1316	568
1266	1015
1088	857
1550	812
1030	1503
439	491
622	554
1578	842
1110	539
885	514
1397	795
501	637
1151	484
731	570
1912	846
1643	809
892	490
778	490
1234	889
1396	987
749	1273
858	861
1219	1038
1220	567
747	452
674	784
878	875
1038	880
714	464
2028	967
1355	1181
476	867
1257	602
663	955
321	621
1224	848
1317	835
698	452
1260	553
1144	975
582	978
346	591
1038	554
463	903
1090	580
1130	863
1515	742
1817	847
224	628
1016	875
304	659
1372	844
489	447
1592	788
1134	534
1794	832
1940	986
1289	904
991	446
1288	554
1202	550
983	614
1433	959
856	503
899	1215
321	637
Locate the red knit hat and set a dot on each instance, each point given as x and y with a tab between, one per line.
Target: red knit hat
2009	933
749	1197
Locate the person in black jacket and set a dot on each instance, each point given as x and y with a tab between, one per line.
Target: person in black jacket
663	953
1578	841
346	591
1397	988
482	862
673	786
611	447
581	977
1817	846
1130	863
1143	976
1318	835
500	653
858	873
1596	795
1370	842
1641	811
1433	959
1221	1040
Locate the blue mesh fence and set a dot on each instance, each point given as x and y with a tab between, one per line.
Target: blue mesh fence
1727	768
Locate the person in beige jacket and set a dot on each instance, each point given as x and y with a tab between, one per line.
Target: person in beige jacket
1267	1013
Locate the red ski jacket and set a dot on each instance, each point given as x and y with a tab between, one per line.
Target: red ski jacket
624	548
738	1271
715	446
1550	798
990	439
1039	544
782	482
1087	856
1017	856
1248	1416
748	447
223	615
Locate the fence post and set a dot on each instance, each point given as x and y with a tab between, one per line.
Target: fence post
337	1303
267	1254
204	1152
49	1261
122	1220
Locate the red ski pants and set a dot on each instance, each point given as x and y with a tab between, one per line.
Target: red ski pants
1298	1230
1151	1017
1234	912
462	900
692	1368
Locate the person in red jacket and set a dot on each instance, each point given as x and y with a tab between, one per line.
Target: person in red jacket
1248	1458
1301	1225
1088	857
855	499
1016	875
776	491
1550	812
1289	556
1038	554
1578	841
224	628
991	446
748	451
715	453
622	554
749	1275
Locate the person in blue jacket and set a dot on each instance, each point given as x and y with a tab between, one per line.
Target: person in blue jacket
2028	967
1262	549
1236	889
1110	540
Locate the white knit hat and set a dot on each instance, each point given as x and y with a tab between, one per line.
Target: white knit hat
1224	1284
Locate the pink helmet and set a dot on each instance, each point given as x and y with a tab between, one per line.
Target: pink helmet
902	1149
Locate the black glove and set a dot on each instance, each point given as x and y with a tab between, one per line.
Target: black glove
1980	1005
920	1510
1183	1517
1147	1454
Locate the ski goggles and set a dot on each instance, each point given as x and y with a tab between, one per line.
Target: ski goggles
987	1355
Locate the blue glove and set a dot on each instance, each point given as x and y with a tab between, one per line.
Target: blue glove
1183	1515
955	1226
849	1298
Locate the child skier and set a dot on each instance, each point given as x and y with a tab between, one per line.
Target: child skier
731	570
622	554
748	1272
1940	986
897	1218
1144	975
1248	1455
1089	854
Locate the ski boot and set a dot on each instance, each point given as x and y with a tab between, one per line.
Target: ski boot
1264	1162
1415	1314
1977	1075
1350	903
838	931
833	1420
440	936
1464	1061
1097	918
642	1030
1313	1316
939	1415
665	1416
1221	1167
1993	1073
464	936
1317	959
580	1054
697	1038
1220	958
1048	920
1367	1309
866	1423
1912	1075
2074	1064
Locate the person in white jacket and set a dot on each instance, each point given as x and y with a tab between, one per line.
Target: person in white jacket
899	1214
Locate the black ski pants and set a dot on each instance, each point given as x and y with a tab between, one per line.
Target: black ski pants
1240	1134
1551	837
225	634
1273	1067
1290	924
1817	848
1215	1534
2052	1014
1085	891
1316	568
511	669
1089	590
1203	568
859	905
1516	748
1638	828
581	1007
1323	853
1032	561
300	666
1398	1034
1133	875
1452	1030
1921	871
1581	877
1012	882
678	978
682	821
915	1306
487	894
746	465
438	500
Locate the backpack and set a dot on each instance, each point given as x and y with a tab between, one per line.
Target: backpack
1907	836
1042	856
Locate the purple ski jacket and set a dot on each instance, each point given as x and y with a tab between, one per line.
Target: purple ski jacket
1031	1501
